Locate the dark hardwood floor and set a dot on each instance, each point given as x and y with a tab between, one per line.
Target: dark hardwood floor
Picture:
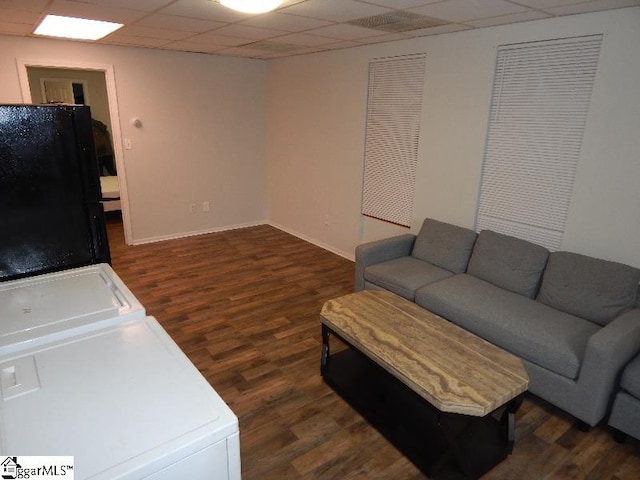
244	306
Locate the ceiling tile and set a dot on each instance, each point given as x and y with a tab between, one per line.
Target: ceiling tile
119	39
28	5
298	26
306	50
274	46
548	3
305	39
344	32
193	47
400	4
335	10
247	31
283	21
94	12
343	44
149	32
504	19
449	28
222	40
144	5
244	52
591	6
462	10
174	22
16	28
390	37
19	16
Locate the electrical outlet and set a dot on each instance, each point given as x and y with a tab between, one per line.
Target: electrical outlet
193	208
205	206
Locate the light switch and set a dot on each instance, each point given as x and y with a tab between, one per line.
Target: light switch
127	144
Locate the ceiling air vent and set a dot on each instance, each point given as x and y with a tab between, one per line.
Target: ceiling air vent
397	21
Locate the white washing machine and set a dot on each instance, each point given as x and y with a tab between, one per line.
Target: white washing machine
43	308
105	385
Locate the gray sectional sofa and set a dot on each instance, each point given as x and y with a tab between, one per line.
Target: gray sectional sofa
573	320
625	415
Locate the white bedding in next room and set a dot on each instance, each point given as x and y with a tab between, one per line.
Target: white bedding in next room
110	193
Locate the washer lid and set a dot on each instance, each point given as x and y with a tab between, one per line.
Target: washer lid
43	308
123	400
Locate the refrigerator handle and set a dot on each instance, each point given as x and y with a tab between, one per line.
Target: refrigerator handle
86	152
99	234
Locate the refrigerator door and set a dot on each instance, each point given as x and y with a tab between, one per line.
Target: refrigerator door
52	306
124	401
90	177
46	187
86	152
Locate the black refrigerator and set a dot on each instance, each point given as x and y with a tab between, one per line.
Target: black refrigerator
51	217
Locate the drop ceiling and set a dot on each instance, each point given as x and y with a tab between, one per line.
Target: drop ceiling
297	27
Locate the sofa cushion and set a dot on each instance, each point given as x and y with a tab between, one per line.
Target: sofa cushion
404	275
630	380
508	262
529	329
587	287
444	245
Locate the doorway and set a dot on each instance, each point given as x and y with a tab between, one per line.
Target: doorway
95	86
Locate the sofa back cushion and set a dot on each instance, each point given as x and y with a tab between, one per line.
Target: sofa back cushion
587	287
444	245
508	262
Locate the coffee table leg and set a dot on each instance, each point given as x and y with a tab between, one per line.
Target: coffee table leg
474	462
508	421
324	359
454	447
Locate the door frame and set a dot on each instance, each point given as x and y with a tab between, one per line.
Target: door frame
116	132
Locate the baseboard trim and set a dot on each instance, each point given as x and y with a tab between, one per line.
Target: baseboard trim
306	238
162	238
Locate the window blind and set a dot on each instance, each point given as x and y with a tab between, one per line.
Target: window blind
394	109
539	107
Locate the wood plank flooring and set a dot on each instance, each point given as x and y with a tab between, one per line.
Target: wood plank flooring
244	306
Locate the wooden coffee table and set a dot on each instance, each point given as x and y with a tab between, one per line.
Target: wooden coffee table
435	390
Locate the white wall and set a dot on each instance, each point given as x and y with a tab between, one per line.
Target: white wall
205	133
316	107
202	137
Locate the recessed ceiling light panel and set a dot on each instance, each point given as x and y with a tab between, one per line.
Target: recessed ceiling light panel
76	28
252	6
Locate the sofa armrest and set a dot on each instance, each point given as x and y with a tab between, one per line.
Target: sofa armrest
380	251
607	352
